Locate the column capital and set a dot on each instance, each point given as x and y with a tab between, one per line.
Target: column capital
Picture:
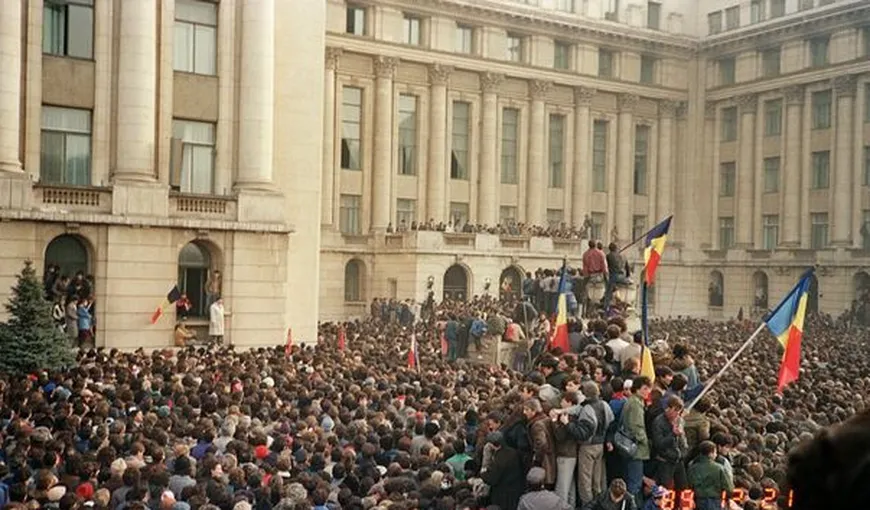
490	82
627	102
748	103
538	89
682	109
583	96
439	74
385	67
668	108
845	85
333	55
710	110
794	94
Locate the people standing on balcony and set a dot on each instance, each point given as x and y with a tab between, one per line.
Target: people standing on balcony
618	272
594	263
213	287
182	307
216	321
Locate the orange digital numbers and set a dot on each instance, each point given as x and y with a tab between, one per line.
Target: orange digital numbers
687	500
770	497
739	496
668	500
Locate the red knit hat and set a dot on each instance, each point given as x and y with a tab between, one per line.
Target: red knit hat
85	490
261	452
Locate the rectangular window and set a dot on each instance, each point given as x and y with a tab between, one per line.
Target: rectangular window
605	63
611	10
641	158
411	29
561	55
727	177
356	20
726	233
821	169
654	15
351	128
773	117
406	213
770	62
769	231
565	5
777	8
714	22
732	18
459	140
555	218
507	214
66	146
756	11
821	109
349	217
459	213
68	28
727	71
865	37
598	220
599	155
514	48
197	156
771	174
805	4
647	69
557	151
819	51
867	165
194	47
818	231
638	226
464	39
729	124
510	119
407	134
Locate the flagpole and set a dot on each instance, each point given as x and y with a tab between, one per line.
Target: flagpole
727	366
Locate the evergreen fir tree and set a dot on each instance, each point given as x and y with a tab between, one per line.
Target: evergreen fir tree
30	340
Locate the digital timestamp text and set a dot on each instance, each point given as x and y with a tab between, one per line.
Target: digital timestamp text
685	500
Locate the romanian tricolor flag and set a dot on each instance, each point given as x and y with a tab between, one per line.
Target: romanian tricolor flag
342	339
414	354
171	297
559	337
786	323
654	246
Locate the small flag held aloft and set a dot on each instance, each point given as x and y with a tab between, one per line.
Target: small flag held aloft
171	297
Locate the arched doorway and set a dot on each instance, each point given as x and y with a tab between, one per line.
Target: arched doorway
194	264
456	283
69	253
511	283
353	275
813	295
716	289
861	301
760	295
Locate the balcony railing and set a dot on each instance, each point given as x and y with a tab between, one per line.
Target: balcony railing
202	206
73	199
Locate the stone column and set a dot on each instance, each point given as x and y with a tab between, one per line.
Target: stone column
489	169
792	163
748	105
439	77
711	161
537	169
845	88
583	97
665	185
137	92
385	70
10	87
257	96
330	172
621	230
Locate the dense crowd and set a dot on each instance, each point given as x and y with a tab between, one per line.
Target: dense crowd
355	428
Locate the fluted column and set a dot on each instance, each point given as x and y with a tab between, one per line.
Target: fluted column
10	87
330	172
583	97
624	167
665	185
845	88
537	169
711	161
137	91
257	95
793	156
385	70
748	105
489	169
439	77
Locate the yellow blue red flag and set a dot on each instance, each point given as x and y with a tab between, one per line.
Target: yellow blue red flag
654	246
559	337
786	323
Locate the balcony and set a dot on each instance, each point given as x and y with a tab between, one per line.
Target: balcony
67	199
427	241
206	207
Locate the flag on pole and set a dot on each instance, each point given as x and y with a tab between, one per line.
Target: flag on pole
654	246
413	354
171	297
786	323
646	361
559	337
288	348
342	338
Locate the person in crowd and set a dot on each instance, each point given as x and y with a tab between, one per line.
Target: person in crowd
183	307
71	314
216	321
83	316
618	272
213	286
697	425
616	497
542	439
684	364
566	451
183	335
708	478
669	446
592	478
538	497
506	475
632	422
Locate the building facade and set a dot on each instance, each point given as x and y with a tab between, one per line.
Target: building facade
284	143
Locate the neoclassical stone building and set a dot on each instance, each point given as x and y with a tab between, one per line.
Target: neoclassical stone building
155	142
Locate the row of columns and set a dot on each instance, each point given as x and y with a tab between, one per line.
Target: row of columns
489	161
796	167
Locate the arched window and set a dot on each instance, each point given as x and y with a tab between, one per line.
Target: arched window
194	262
69	253
456	283
353	274
511	282
716	289
760	295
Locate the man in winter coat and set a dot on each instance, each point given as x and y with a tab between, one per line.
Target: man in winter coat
539	498
616	498
708	478
591	475
632	423
505	475
542	438
669	446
